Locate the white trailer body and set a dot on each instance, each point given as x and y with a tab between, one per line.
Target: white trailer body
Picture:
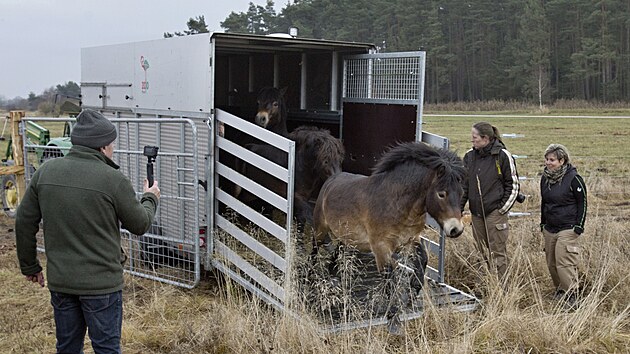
159	74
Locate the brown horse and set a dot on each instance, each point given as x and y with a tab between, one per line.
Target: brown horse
385	212
272	110
318	155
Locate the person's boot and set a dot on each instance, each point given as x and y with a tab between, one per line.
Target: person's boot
571	302
558	295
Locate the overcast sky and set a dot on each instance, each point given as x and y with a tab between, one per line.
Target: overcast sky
41	40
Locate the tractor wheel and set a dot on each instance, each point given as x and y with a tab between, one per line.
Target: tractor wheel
9	195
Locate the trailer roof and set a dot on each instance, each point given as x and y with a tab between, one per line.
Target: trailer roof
252	42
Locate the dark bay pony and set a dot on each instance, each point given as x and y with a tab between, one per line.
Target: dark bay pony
272	110
318	155
385	212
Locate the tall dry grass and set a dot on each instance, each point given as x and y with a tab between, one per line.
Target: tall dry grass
220	317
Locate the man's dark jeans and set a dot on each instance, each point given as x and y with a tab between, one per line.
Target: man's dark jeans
101	315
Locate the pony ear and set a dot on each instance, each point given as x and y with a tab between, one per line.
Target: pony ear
283	90
441	171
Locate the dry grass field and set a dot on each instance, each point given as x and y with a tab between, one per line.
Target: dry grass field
219	317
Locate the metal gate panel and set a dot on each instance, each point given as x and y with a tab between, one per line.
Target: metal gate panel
380	91
35	154
251	248
386	78
395	78
169	251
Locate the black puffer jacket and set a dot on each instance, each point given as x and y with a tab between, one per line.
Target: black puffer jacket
564	203
498	179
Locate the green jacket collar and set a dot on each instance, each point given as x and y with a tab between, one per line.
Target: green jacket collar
84	152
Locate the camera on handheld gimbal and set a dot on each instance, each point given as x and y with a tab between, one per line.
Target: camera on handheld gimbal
151	153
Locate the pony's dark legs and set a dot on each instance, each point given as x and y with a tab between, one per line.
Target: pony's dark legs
321	237
393	276
398	281
303	213
420	261
383	254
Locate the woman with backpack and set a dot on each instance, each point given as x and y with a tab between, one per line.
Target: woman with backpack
491	190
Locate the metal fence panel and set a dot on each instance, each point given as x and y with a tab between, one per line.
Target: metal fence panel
170	250
395	78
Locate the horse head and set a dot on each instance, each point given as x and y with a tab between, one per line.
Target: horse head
272	110
436	177
444	196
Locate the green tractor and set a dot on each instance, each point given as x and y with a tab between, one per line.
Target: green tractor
48	148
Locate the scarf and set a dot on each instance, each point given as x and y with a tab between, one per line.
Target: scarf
554	177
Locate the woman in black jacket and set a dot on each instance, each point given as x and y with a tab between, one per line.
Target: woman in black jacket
491	190
562	217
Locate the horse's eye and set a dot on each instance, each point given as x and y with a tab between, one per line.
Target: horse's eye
441	194
275	104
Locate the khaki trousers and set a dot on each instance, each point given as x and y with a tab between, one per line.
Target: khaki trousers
562	251
493	243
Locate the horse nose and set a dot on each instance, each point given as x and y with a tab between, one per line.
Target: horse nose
453	227
456	232
262	120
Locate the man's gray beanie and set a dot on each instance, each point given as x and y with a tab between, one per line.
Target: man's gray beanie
92	130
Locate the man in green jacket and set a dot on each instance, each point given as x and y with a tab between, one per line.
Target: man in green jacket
84	201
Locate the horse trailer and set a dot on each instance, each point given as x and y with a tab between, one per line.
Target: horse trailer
195	98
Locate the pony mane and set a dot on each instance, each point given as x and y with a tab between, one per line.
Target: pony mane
327	147
445	161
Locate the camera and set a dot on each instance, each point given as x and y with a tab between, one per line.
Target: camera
521	197
151	151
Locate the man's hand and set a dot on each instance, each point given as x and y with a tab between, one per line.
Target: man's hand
154	188
37	278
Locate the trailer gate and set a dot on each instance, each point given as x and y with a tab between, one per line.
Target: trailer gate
257	255
169	251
